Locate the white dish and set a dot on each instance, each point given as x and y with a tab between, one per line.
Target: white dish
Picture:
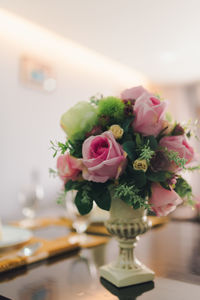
13	236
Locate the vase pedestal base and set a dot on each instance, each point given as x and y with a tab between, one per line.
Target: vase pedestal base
122	278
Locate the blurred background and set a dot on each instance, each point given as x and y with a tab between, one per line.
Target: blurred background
56	53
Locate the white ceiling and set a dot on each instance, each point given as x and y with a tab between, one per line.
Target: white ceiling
160	38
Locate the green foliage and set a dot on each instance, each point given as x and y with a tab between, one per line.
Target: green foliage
138	177
183	189
151	142
83	201
130	195
146	153
126	124
76	148
189	134
101	195
61	197
95	99
53	172
89	191
160	176
74	185
139	140
195	168
165	185
60	147
174	156
129	148
113	108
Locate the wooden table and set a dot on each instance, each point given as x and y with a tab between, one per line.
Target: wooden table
172	251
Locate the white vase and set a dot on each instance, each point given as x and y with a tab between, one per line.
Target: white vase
126	224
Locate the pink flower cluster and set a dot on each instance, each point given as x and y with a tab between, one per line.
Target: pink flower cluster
103	158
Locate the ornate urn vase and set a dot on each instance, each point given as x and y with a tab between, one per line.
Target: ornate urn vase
126	224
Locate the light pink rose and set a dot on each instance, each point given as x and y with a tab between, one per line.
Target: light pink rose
149	111
178	144
68	167
103	157
149	114
133	93
163	201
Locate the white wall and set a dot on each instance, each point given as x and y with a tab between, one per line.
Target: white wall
29	119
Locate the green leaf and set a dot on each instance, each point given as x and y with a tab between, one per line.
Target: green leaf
183	188
152	142
138	176
76	147
165	186
83	203
146	152
157	176
129	148
61	197
101	196
138	140
127	123
136	205
73	185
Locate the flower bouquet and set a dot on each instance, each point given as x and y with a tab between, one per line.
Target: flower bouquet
125	154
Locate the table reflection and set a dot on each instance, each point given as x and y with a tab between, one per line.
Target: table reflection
129	292
39	290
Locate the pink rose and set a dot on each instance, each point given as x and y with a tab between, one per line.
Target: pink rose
163	201
103	157
68	167
149	114
178	144
133	93
149	111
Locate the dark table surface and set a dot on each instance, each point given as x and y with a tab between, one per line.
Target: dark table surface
172	251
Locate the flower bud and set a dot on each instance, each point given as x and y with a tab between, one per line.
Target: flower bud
178	130
117	131
140	165
159	161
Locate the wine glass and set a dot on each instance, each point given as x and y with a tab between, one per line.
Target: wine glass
79	223
29	198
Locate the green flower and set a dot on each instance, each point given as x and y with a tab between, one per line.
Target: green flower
78	120
113	108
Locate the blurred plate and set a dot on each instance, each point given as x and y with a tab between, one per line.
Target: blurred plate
13	236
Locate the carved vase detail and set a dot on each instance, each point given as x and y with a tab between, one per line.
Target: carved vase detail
126	224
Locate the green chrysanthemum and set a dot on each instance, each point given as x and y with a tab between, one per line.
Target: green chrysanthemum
113	108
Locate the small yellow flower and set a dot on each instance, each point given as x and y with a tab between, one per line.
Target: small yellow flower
140	164
117	131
